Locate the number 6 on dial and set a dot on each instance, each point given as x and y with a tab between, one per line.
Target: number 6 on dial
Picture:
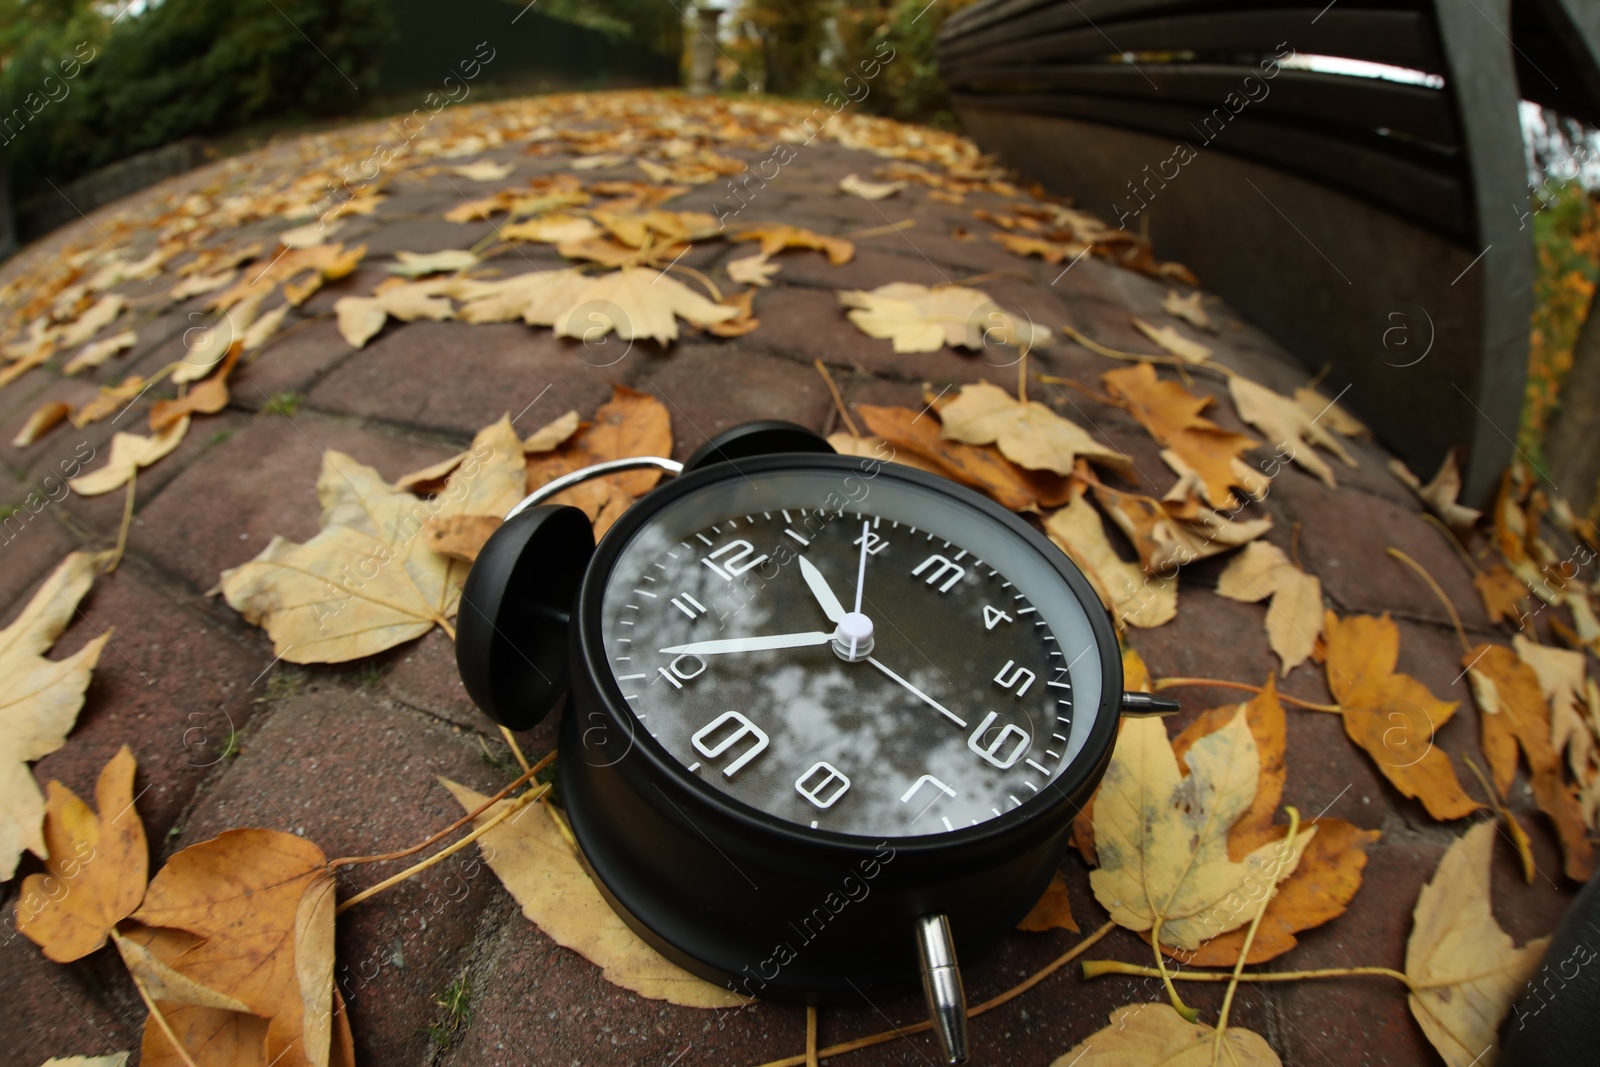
746	729
1007	733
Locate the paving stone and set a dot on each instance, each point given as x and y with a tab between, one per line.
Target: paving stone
291	365
32	538
428	235
259	483
357	777
170	683
751	386
459	378
89	1008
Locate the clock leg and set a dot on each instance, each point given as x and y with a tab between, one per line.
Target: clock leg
941	984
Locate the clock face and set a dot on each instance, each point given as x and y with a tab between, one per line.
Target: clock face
852	652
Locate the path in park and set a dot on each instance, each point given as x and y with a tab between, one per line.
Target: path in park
349	756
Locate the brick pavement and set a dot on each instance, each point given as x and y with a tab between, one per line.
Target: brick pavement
347	755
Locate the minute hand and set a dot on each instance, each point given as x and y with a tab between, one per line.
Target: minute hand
919	694
750	644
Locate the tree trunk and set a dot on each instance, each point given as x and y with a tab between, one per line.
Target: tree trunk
1572	446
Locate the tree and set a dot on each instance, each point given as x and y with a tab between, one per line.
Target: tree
1573	443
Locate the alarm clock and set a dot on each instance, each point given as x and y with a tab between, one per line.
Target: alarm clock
829	718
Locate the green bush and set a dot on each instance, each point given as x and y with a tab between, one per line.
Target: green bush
182	68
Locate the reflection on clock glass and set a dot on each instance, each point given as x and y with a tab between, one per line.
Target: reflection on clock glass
964	685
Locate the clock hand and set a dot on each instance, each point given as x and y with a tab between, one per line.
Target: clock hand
861	583
919	694
819	589
750	644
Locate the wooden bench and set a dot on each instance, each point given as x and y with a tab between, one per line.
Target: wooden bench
1378	225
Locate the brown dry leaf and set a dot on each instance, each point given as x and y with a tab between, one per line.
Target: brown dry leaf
1469	965
752	270
854	186
1174	342
262	903
1162	837
552	229
1392	716
776	237
1514	716
262	330
536	297
100	315
637	229
980	467
1320	409
872	446
629	424
1294	620
1135	679
1167	537
552	434
312	235
484	170
146	949
745	322
1439	495
45	417
418	264
99	856
1028	434
644	303
1136	598
919	319
116	1059
610	252
1155	1035
536	865
1172	416
97	353
1286	426
200	284
1188	308
1501	592
1330	868
1052	252
1562	677
361	317
460	536
129	452
1053	911
204	398
324	263
111	398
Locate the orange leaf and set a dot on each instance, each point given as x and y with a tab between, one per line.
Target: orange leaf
1172	416
95	876
778	236
982	467
629	424
1393	716
1052	911
203	398
461	536
1501	592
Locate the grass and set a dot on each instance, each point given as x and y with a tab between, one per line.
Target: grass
285	404
1566	235
455	1014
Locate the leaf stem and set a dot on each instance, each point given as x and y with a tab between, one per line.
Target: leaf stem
838	398
1189	1014
1218	683
1249	939
811	1035
1455	542
161	1021
1461	633
449	630
512	807
989	1005
879	231
516	749
1097	968
127	522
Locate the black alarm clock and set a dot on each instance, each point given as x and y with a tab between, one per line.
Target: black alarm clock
830	717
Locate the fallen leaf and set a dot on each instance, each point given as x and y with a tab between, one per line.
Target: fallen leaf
97	353
109	399
1330	868
646	303
262	330
484	170
552	434
1161	837
99	315
919	319
262	902
1136	598
853	185
46	417
1052	252
536	865
1501	592
95	875
1321	409
361	317
752	270
460	536
871	446
552	229
980	467
418	264
1028	434
1287	427
311	235
323	263
129	452
142	949
40	701
1053	911
1392	716
1294	619
1440	494
1468	964
1514	716
745	322
1155	1035
116	1059
776	237
537	297
204	398
1166	537
199	284
1174	342
629	424
1172	416
1188	308
1562	678
640	228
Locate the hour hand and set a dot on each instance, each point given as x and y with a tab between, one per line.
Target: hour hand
750	644
819	589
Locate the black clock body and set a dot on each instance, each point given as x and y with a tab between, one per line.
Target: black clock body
766	906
